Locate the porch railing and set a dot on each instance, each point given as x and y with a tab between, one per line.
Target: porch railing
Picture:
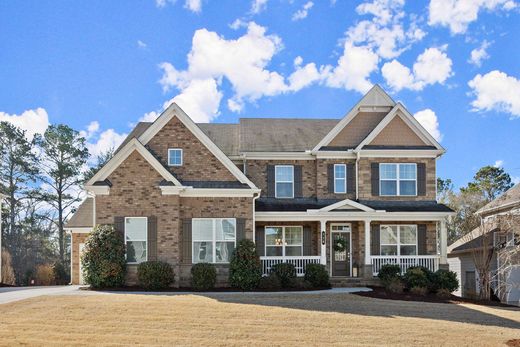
428	261
299	263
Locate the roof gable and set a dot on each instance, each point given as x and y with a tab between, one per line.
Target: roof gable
397	133
346	204
83	217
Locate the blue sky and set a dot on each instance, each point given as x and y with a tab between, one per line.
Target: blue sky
100	66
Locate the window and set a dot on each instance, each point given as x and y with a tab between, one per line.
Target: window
213	239
283	241
398	179
175	157
284	181
398	239
340	178
136	232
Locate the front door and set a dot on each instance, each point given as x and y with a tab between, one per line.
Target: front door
341	250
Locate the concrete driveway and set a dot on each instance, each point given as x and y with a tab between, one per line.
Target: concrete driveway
10	294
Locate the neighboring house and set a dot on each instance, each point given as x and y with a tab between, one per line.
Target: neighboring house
351	193
2	197
461	254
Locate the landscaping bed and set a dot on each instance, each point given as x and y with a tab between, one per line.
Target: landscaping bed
213	290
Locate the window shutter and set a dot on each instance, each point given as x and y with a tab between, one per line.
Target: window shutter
260	241
152	238
330	177
375	240
351	178
270	181
241	229
421	179
307	240
186	241
375	178
298	182
421	239
119	227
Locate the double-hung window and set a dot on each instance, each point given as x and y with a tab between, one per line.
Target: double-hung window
284	181
398	240
175	157
398	179
283	241
340	178
136	239
213	239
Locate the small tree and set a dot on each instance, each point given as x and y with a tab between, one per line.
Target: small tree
103	260
7	268
245	269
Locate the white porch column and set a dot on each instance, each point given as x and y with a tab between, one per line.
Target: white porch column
323	241
443	238
367	243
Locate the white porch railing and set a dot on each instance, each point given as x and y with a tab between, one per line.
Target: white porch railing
299	263
428	261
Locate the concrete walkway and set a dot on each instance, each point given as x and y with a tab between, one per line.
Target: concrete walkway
10	294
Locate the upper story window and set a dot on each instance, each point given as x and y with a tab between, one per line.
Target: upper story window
398	240
398	179
213	239
136	239
175	157
284	181
283	241
340	178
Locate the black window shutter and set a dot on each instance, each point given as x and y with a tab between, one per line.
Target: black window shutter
351	178
421	239
119	227
330	177
270	181
260	241
298	181
421	179
186	241
375	239
307	240
152	238
375	178
241	229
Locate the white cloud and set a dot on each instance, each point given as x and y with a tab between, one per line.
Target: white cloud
479	54
458	14
162	3
496	91
429	121
499	163
303	76
303	12
100	142
432	66
150	116
32	121
193	5
141	44
258	6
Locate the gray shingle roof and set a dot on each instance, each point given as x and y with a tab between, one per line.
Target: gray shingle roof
510	197
83	217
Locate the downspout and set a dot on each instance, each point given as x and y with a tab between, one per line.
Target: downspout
357	173
255	196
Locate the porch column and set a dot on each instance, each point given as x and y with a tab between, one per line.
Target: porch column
443	235
323	241
367	268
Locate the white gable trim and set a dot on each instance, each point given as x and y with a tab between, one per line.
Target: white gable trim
175	111
342	203
129	148
417	128
376	99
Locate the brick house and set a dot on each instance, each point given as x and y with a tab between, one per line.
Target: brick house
352	193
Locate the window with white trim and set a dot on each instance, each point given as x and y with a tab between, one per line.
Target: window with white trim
175	157
340	178
136	239
398	179
283	241
398	240
284	181
213	239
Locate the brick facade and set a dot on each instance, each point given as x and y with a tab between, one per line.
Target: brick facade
77	240
322	179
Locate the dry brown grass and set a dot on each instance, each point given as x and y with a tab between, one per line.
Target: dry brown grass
273	319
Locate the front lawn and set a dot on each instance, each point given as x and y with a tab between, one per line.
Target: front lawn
263	319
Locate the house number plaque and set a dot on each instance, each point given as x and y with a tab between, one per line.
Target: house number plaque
323	237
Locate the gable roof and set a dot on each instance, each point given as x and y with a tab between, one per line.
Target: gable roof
509	199
83	217
346	204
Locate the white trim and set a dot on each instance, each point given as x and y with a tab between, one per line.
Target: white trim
208	192
344	179
276	182
399	244
98	190
79	230
352	216
400	153
214	238
182	154
307	155
175	111
146	240
129	148
283	245
398	179
330	245
346	202
350	154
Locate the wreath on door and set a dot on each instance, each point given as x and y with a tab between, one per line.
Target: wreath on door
340	244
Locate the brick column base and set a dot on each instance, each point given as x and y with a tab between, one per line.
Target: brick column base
367	271
444	267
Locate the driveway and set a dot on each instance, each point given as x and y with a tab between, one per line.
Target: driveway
10	294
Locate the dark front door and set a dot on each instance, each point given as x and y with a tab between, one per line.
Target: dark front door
341	250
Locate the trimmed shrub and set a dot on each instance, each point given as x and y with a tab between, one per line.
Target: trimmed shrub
61	275
155	275
245	270
203	276
103	260
270	283
394	285
285	272
388	273
443	293
299	283
317	275
446	280
422	291
416	277
44	275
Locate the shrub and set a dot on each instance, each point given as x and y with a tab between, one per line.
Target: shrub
416	277
443	293
155	275
44	275
203	276
103	260
446	280
7	270
245	269
394	285
270	283
285	272
300	284
388	273
317	275
60	273
419	291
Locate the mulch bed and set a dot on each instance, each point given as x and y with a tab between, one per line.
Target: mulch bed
381	293
188	289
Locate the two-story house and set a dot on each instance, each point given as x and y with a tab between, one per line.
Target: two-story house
352	193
